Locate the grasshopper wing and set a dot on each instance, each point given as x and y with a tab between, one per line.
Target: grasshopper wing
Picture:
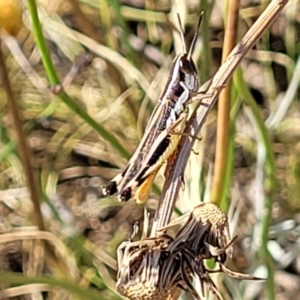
162	148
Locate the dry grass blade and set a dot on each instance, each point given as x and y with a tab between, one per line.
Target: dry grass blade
23	290
30	233
102	51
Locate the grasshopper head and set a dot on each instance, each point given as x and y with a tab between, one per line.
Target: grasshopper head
184	64
183	80
188	73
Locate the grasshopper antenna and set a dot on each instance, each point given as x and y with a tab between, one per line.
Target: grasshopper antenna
181	31
195	35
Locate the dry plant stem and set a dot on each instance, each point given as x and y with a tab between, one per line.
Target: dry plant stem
223	119
35	195
221	78
80	62
22	145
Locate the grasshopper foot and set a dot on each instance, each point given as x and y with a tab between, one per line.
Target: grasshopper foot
109	189
125	195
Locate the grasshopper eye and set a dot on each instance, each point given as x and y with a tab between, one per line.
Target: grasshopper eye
188	74
187	66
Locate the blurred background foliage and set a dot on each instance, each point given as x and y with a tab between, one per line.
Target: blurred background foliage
79	140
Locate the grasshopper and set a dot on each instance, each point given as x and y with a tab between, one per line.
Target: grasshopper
163	131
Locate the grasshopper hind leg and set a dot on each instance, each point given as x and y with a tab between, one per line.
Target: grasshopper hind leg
139	190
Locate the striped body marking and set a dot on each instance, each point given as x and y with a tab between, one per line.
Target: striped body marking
162	132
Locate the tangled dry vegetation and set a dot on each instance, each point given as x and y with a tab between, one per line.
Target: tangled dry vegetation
70	253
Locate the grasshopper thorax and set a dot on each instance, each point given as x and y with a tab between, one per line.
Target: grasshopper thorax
183	81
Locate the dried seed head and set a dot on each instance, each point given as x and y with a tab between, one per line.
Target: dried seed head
210	213
137	290
154	268
218	235
149	271
205	228
140	270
